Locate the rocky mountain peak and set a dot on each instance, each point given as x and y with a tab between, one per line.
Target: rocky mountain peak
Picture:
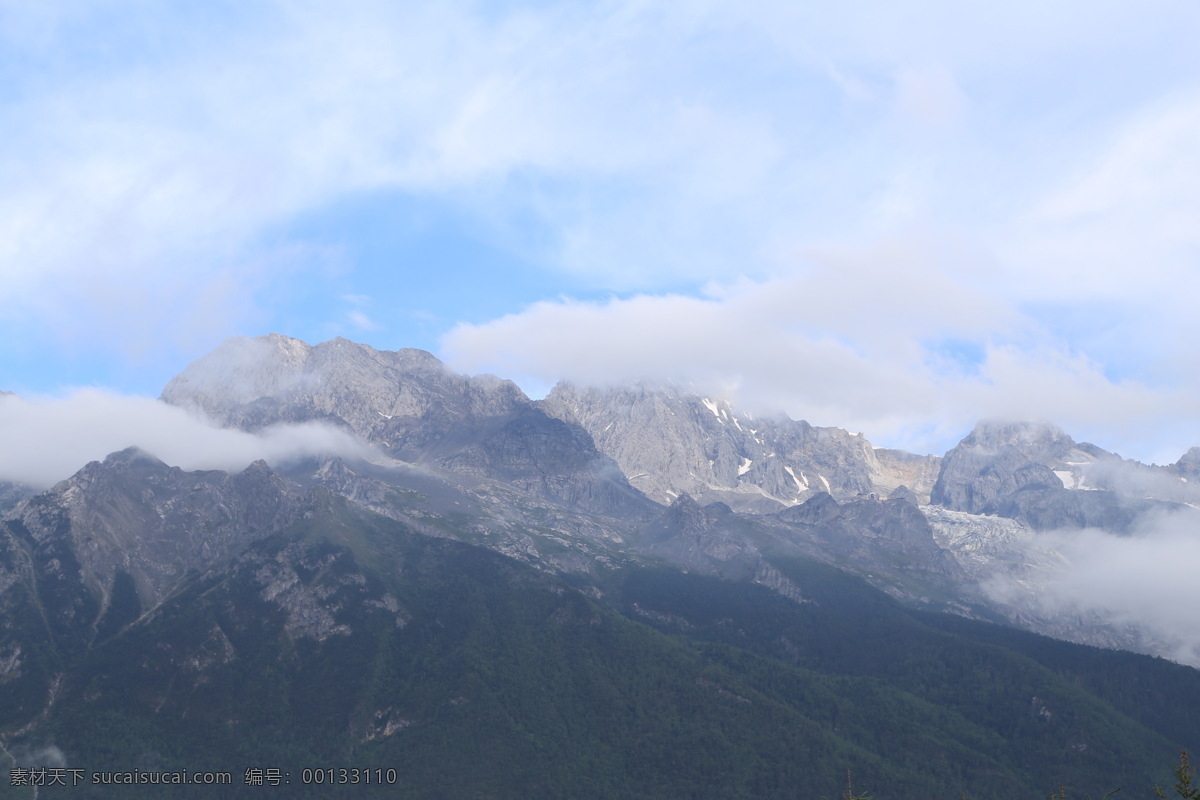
667	441
131	457
819	509
120	468
994	434
997	433
380	395
904	493
999	458
1190	459
413	408
133	514
240	370
1188	466
707	538
685	511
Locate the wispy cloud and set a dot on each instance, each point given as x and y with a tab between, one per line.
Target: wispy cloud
47	440
1040	226
165	169
357	315
898	341
1145	582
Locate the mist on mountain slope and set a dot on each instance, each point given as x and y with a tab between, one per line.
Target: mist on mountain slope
1140	582
1142	585
43	441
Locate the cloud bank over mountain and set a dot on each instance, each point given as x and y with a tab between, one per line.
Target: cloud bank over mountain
867	342
1145	582
48	440
972	210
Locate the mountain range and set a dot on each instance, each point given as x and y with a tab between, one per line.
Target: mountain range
628	591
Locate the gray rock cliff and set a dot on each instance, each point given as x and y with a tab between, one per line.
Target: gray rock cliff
134	514
410	406
669	442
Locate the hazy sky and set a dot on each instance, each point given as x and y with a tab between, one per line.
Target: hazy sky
890	217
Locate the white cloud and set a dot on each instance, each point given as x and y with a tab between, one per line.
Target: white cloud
1123	224
361	321
1144	582
356	315
144	176
46	440
929	95
159	169
859	340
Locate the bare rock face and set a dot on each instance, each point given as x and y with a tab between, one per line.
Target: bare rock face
550	458
12	493
409	405
133	514
554	483
1189	465
1035	473
1182	482
980	543
1054	509
997	459
698	537
668	443
86	558
820	509
404	400
884	537
688	534
914	474
714	540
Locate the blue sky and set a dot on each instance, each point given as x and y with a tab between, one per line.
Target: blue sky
891	217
